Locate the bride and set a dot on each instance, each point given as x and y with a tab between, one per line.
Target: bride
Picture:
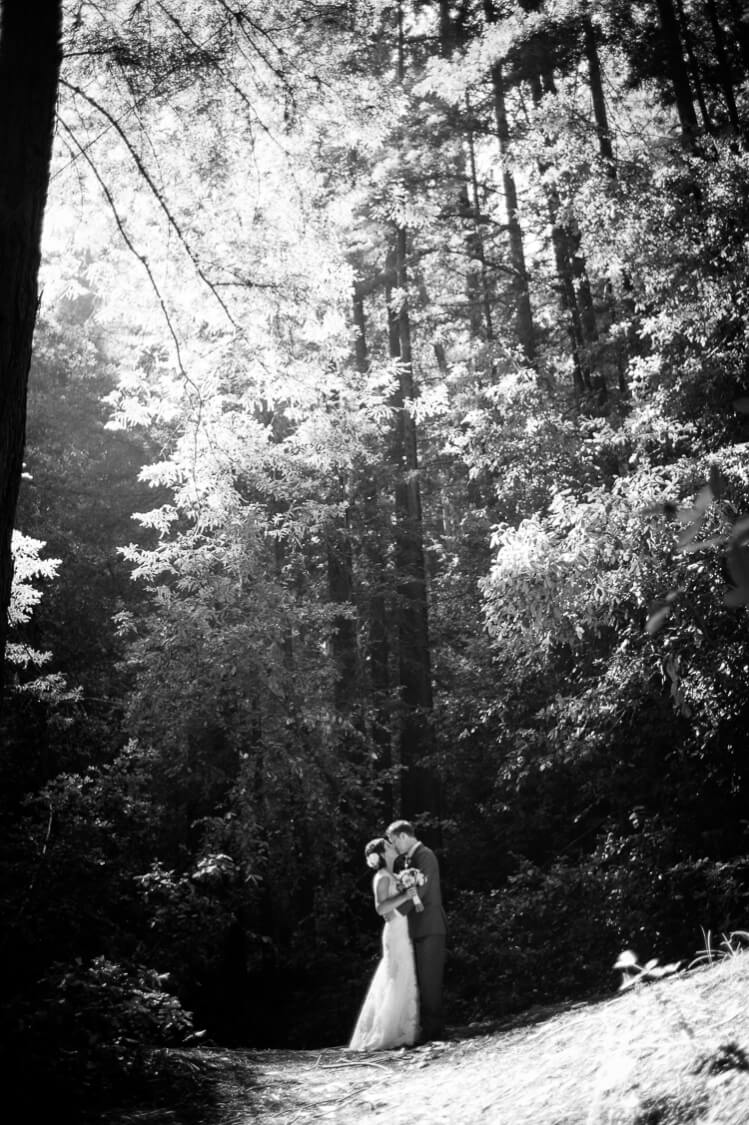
390	1013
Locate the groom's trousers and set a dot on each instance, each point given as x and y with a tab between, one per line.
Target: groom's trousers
429	954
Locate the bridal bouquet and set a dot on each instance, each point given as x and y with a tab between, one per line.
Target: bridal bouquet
412	877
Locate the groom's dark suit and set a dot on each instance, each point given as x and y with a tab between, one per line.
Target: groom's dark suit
428	929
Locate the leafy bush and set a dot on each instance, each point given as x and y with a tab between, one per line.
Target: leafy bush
553	934
86	1032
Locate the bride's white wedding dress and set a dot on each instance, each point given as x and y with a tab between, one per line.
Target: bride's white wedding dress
390	1013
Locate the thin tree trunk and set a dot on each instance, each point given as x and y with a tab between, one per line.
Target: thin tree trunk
523	309
476	243
469	210
572	271
473	253
29	70
584	296
568	297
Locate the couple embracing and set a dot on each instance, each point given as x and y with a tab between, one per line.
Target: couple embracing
404	1003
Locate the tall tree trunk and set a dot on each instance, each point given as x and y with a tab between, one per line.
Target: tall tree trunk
596	90
674	50
419	784
420	789
340	565
694	67
29	70
469	209
476	241
523	310
565	251
574	283
378	631
584	297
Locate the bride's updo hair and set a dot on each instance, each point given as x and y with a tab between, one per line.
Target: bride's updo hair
374	853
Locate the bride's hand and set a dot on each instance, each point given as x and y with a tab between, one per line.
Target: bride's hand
411	892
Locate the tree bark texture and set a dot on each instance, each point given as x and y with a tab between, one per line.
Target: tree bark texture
29	71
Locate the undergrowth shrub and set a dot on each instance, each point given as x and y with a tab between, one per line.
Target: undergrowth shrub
554	934
85	1035
201	932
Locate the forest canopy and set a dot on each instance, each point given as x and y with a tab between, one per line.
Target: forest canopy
386	454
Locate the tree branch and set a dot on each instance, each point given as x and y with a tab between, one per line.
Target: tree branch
141	258
154	189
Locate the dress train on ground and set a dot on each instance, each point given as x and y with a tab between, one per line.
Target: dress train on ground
389	1016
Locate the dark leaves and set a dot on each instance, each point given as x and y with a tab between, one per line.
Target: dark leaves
737	558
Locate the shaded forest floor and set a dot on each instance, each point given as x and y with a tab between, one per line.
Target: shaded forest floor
675	1051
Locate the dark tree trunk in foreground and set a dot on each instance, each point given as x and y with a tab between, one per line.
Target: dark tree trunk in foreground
29	70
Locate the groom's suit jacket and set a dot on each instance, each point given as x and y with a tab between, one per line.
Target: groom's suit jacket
430	920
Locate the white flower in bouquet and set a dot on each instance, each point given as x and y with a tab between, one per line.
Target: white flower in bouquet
412	877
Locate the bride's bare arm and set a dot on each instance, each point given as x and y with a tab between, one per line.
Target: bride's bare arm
386	905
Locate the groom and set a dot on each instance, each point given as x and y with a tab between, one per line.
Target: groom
427	926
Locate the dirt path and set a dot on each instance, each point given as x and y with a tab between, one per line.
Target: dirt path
674	1052
454	1082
